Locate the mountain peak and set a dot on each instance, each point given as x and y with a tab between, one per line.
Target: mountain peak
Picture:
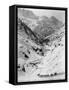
56	22
27	14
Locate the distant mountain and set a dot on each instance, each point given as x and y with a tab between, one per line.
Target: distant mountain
42	26
55	22
41	31
47	26
44	18
26	31
27	14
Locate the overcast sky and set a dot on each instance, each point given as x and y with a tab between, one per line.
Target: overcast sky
57	13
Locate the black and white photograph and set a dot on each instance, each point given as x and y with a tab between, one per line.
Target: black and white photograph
40	44
34	45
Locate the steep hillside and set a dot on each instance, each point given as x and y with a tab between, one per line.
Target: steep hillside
40	57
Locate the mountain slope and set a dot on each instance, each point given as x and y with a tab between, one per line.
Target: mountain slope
41	52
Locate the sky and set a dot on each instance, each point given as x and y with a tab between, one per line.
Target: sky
57	13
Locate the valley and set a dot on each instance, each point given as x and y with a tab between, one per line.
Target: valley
41	49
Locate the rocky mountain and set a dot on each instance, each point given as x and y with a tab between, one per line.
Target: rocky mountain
41	48
47	26
23	28
56	23
43	26
41	33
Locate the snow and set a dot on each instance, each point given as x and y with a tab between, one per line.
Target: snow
52	62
